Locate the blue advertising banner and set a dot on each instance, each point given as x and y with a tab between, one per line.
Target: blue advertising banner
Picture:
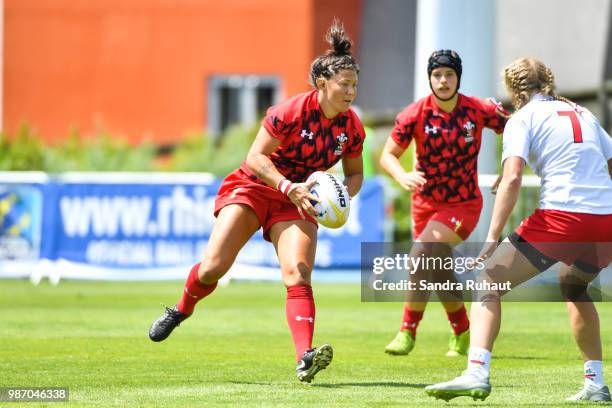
21	223
133	226
148	226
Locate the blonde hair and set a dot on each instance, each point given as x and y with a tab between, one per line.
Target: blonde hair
526	77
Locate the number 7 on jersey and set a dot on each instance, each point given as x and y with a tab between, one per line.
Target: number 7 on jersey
575	124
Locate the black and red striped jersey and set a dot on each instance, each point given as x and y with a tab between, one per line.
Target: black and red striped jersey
447	144
309	141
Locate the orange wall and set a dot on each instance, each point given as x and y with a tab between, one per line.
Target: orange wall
347	11
138	68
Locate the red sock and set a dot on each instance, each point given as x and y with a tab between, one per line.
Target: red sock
300	310
411	320
459	320
194	291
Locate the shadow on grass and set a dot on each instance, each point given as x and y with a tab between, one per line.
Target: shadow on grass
371	384
249	383
519	358
490	403
341	385
353	384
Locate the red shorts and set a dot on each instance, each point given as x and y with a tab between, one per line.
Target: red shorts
461	217
270	205
572	238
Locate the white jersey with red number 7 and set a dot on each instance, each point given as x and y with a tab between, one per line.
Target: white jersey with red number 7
568	149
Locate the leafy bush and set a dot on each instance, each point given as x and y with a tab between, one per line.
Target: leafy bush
103	153
25	152
22	152
219	157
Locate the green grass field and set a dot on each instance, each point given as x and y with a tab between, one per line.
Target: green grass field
236	350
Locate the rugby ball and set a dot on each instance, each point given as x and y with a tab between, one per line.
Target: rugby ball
334	206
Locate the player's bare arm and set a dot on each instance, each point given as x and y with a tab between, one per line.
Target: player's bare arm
258	159
353	174
259	162
505	200
389	160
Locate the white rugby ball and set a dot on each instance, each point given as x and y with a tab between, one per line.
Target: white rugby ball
334	206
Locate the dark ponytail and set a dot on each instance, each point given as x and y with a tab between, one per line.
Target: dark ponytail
339	41
336	58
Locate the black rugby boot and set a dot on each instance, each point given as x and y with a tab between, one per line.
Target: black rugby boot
163	326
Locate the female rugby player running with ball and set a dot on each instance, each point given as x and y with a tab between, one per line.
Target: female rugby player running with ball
309	132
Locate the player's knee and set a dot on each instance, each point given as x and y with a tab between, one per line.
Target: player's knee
297	274
490	285
574	291
212	269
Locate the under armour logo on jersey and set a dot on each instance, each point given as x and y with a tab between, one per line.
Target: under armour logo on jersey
431	130
458	223
300	318
307	134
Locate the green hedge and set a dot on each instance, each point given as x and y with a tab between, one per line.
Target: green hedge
24	151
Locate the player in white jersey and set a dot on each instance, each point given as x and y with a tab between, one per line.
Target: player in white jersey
564	145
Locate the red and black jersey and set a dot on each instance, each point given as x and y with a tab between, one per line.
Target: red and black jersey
447	144
309	141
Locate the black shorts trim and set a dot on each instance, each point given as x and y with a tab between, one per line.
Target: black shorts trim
540	261
585	267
